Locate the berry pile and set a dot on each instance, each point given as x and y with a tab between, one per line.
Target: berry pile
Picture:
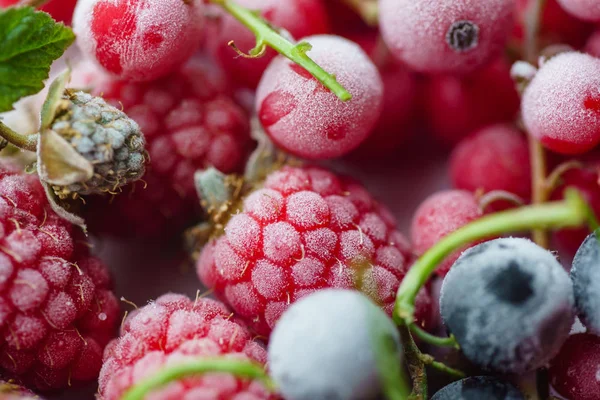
236	132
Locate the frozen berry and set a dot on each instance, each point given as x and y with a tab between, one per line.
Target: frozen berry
574	371
585	275
56	309
323	347
561	105
60	10
308	120
11	391
493	158
509	303
300	18
305	229
440	214
593	44
479	387
174	330
457	106
138	40
588	10
446	35
190	122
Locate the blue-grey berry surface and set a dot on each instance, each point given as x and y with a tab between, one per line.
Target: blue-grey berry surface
479	388
585	275
322	347
106	137
509	303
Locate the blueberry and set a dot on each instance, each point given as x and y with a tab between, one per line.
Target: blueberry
322	347
585	275
479	388
509	303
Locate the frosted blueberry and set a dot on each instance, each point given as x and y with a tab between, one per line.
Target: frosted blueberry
509	303
479	388
323	347
585	275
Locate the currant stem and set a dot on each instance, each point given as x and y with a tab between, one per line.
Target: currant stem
24	142
33	3
416	367
571	212
429	360
540	192
432	339
267	36
367	9
239	368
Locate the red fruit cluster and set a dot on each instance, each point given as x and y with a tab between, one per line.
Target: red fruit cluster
190	122
175	330
56	309
305	229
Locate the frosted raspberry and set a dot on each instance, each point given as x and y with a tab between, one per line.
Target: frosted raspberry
440	214
446	35
305	229
300	18
308	120
561	105
493	158
11	391
56	309
588	10
138	40
172	330
457	106
60	10
189	122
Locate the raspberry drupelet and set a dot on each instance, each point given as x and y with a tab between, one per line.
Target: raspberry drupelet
304	230
57	311
175	329
190	122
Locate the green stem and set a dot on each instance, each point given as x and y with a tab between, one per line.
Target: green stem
244	369
429	360
25	142
267	36
540	192
432	339
416	367
368	10
32	3
571	212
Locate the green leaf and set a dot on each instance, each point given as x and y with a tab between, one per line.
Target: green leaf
29	42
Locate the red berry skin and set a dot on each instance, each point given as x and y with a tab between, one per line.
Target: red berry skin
573	372
586	181
587	10
306	229
592	46
493	158
60	10
561	105
306	119
190	122
175	329
455	106
557	26
138	40
422	33
300	18
57	311
439	215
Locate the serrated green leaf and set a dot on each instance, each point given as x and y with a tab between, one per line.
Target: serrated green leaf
29	42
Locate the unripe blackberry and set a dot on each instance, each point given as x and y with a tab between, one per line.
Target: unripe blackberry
106	137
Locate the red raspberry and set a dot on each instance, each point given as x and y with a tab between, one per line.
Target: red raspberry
175	329
11	391
305	229
56	309
493	158
139	40
189	122
300	18
440	214
60	10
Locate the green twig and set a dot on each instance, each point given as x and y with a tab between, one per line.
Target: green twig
25	142
267	36
239	368
416	367
432	339
571	212
429	360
